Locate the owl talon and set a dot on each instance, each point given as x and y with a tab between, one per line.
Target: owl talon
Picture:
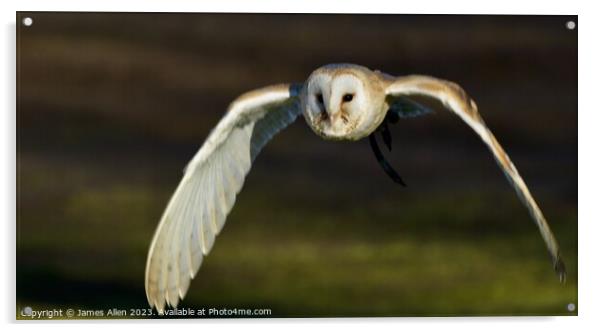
383	162
386	134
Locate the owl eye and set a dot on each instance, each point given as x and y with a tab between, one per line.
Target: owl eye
319	98
347	97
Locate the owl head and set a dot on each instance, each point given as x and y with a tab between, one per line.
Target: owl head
343	102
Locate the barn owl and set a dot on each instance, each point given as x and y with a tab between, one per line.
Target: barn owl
342	102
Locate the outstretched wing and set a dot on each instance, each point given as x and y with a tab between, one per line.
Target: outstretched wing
197	210
456	100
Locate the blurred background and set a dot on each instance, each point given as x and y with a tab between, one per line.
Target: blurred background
111	107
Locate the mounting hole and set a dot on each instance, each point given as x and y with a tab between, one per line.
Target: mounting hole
27	311
570	25
570	307
27	21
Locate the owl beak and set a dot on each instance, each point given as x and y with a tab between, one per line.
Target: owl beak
333	109
333	117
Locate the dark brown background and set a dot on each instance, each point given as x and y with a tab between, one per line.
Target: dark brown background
111	106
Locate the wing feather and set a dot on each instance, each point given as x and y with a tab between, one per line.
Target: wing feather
455	99
406	108
197	210
196	246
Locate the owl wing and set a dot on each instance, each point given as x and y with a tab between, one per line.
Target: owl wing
455	99
198	208
406	108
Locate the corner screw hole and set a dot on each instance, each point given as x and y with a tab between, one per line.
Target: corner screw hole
570	25
27	21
